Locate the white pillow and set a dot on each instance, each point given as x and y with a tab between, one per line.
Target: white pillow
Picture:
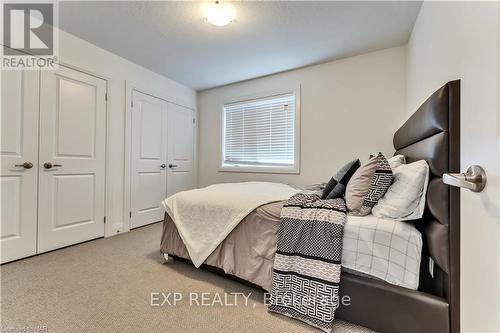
405	199
396	161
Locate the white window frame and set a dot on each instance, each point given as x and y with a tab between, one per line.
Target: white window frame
295	168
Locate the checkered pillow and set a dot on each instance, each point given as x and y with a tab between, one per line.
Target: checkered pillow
405	199
337	184
396	161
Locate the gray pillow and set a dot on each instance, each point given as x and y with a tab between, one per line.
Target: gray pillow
337	184
359	184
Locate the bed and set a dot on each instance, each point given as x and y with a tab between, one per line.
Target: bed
248	251
425	296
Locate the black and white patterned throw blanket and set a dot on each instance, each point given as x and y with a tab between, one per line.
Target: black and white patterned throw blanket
306	272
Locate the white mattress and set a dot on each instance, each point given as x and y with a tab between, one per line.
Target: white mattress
381	248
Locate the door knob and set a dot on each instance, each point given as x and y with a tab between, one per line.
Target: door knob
163	166
171	166
49	165
26	165
473	179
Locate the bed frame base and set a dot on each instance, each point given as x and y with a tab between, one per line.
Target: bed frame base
384	307
391	309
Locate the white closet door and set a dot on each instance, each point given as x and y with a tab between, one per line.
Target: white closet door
148	159
180	149
19	164
72	158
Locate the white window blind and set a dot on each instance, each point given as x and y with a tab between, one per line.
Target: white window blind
260	132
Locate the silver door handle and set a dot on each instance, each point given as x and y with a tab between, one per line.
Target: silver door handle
474	179
26	165
171	166
49	165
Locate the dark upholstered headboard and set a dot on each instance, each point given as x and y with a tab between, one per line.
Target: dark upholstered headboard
432	133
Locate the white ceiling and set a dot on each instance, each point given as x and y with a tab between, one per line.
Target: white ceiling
173	39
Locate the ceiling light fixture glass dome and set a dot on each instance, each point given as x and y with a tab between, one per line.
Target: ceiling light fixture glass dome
219	14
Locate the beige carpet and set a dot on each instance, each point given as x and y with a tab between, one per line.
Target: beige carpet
106	285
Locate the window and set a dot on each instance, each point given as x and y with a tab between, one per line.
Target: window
261	135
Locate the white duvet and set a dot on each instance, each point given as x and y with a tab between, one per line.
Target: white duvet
204	217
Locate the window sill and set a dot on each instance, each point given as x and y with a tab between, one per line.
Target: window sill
246	169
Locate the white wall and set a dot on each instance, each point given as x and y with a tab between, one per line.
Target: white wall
117	71
460	40
349	108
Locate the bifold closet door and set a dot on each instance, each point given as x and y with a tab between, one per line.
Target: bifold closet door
148	183
181	131
72	144
19	164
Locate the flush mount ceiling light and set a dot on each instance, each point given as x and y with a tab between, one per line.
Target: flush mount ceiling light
219	14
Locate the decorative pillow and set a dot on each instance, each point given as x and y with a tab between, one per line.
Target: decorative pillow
396	161
380	182
405	199
336	186
359	184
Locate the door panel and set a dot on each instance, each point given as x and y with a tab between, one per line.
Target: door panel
73	139
75	196
479	59
180	149
149	153
75	125
150	191
19	144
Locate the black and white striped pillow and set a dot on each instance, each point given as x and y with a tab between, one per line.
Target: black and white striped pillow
381	181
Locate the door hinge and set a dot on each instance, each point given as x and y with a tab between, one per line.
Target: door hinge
130	214
131	104
106	97
104	219
194	121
